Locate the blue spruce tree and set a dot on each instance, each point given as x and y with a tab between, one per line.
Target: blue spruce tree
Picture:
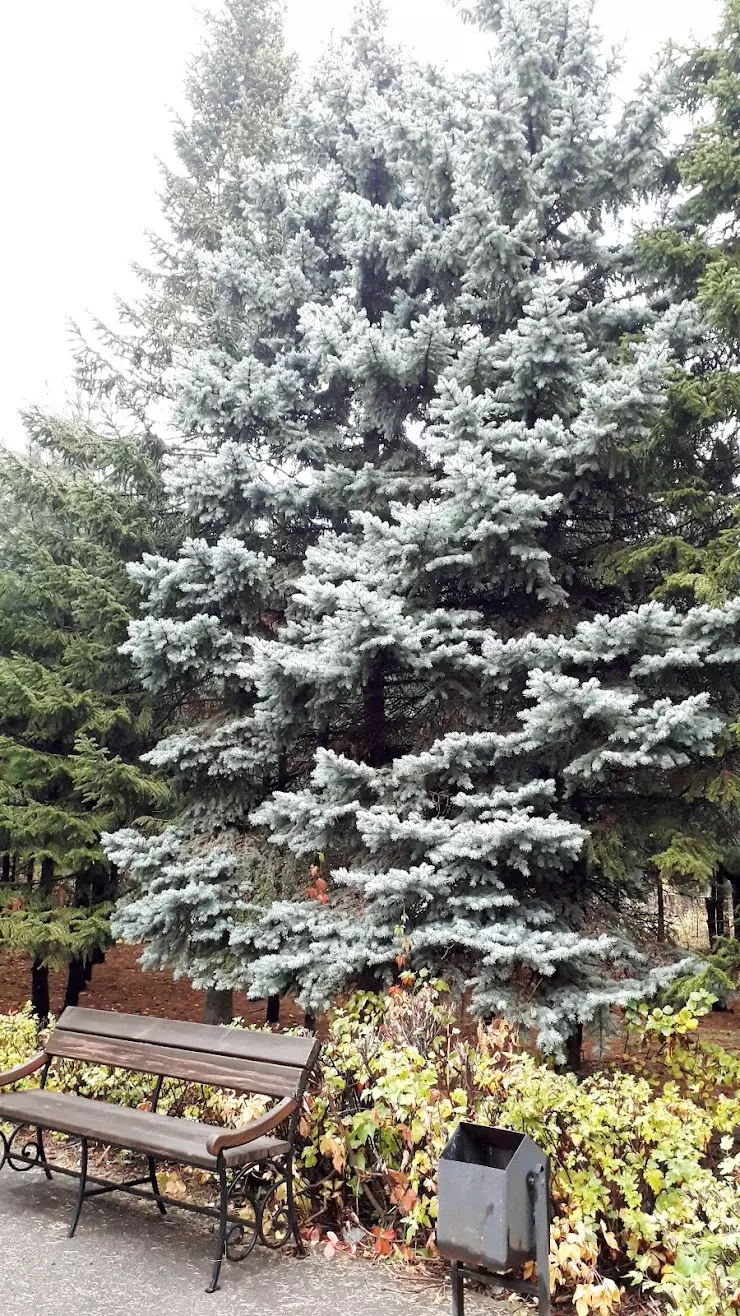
420	459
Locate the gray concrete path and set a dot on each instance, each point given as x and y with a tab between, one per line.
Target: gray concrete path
125	1258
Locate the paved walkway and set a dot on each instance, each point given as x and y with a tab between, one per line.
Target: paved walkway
126	1259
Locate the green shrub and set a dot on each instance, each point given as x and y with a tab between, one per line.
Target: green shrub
645	1155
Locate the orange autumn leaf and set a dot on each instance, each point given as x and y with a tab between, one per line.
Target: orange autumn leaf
408	1201
380	1232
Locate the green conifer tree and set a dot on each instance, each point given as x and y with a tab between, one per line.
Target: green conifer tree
694	254
74	509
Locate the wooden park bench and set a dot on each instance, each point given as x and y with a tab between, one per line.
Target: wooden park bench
254	1164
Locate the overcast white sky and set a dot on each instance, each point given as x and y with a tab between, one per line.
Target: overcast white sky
86	93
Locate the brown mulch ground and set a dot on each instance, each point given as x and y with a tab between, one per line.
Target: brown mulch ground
722	1028
119	984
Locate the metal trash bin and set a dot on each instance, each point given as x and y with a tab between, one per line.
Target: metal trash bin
493	1212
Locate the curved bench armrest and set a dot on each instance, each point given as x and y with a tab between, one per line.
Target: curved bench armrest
248	1132
22	1071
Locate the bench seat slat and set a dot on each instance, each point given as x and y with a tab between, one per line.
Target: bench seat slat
275	1048
159	1136
195	1066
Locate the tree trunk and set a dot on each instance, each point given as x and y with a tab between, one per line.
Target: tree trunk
661	908
40	1003
309	1022
5	877
77	981
97	957
219	1006
716	923
711	904
46	877
573	1049
375	724
721	898
93	886
272	1011
40	991
736	905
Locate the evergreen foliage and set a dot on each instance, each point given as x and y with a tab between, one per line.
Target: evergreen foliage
414	626
717	974
694	254
52	936
73	720
99	504
234	92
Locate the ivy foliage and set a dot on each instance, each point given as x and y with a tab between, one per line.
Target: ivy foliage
644	1152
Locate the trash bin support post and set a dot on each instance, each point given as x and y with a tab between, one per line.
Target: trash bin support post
458	1290
540	1210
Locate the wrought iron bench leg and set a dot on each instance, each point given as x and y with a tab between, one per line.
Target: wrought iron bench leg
41	1153
155	1187
222	1228
458	1290
81	1189
292	1213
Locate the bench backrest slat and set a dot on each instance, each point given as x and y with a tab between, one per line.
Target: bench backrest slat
216	1039
200	1053
194	1066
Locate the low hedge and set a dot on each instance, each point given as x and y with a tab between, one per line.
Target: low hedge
645	1151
